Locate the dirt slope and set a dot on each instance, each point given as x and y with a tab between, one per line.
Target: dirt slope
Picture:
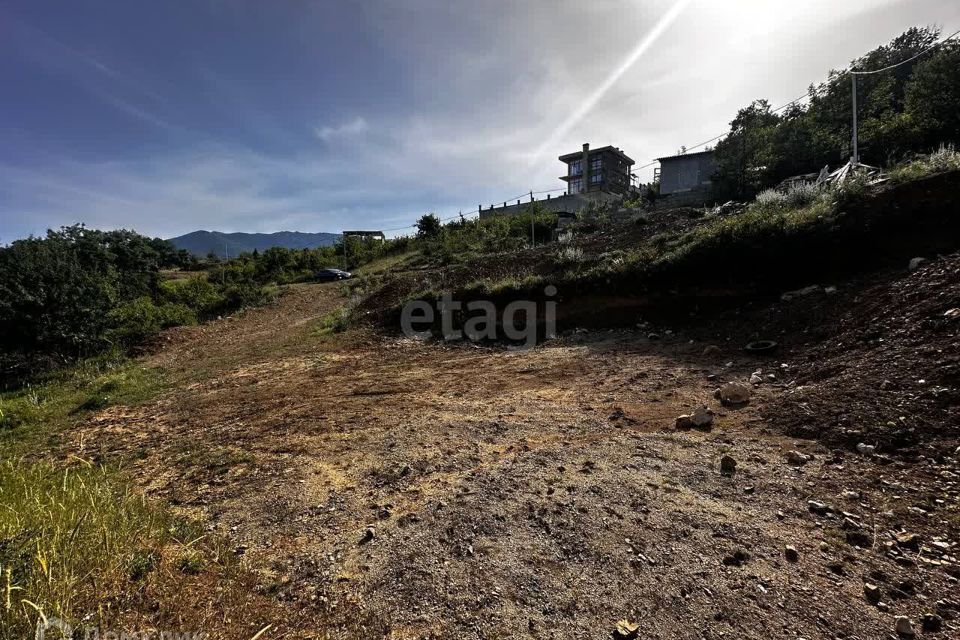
383	488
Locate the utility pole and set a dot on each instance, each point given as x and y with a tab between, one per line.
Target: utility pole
855	158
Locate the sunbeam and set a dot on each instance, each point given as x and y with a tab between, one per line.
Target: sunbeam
648	41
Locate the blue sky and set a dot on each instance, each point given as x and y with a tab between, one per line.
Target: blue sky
167	117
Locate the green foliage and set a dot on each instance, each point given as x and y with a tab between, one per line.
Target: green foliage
337	321
460	240
57	292
195	293
428	226
134	321
60	527
593	217
78	292
908	109
944	159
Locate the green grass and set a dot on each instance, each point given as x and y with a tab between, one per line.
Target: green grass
71	539
337	321
75	538
946	158
30	416
760	223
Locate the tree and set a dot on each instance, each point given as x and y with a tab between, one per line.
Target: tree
428	226
932	97
908	108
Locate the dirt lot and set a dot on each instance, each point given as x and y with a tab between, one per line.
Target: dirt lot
381	487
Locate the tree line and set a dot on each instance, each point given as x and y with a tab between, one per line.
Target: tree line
904	111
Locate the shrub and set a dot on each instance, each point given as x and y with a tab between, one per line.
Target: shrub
771	197
802	195
568	254
195	293
946	158
139	319
245	294
337	321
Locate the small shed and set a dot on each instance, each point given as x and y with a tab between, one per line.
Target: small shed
689	174
366	235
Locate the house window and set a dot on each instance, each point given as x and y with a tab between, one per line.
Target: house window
596	178
595	164
576	186
574	168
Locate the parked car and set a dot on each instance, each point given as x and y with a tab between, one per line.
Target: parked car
331	274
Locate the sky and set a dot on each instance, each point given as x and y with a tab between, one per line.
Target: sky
243	115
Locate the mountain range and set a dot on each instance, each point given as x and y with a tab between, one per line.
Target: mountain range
201	243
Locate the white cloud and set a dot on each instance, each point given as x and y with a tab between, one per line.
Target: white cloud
352	128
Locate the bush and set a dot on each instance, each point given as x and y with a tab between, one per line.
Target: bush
135	321
802	195
337	321
57	292
195	293
946	158
771	197
568	255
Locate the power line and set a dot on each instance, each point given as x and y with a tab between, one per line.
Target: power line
813	91
786	105
894	66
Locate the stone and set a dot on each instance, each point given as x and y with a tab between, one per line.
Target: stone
871	592
904	627
653	336
734	393
796	458
908	541
711	350
932	622
790	553
818	507
626	629
368	534
952	314
701	419
728	466
799	293
866	449
916	263
756	378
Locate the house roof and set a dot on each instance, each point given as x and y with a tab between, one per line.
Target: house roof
363	233
685	155
609	148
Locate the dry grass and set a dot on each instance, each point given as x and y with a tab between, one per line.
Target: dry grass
75	542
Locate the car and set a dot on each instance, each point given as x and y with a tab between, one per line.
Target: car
331	274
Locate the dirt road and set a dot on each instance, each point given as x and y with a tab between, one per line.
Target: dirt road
382	487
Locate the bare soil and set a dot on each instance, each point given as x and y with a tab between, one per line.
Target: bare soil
379	487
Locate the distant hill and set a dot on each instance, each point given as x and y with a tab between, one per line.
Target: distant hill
200	243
